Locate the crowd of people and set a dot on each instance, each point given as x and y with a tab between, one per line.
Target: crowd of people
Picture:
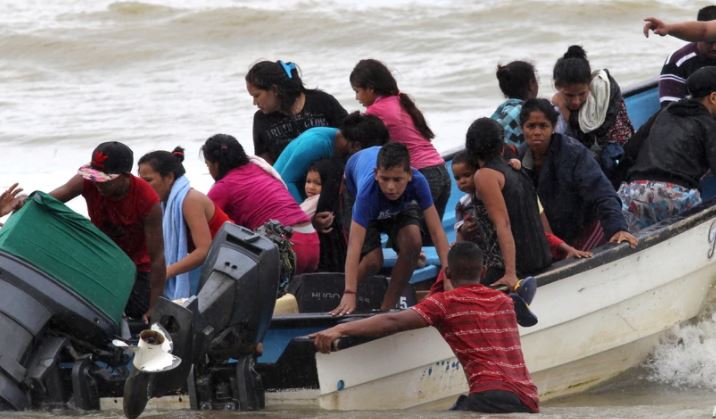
544	180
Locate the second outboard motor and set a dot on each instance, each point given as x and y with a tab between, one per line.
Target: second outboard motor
218	333
235	304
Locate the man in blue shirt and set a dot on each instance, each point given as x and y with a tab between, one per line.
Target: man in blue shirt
391	197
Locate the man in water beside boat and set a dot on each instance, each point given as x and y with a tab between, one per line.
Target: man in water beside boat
685	61
126	209
391	197
487	344
669	154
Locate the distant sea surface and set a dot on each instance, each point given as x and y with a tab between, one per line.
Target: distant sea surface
157	74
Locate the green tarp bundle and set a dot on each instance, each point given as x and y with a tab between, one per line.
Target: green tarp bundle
69	248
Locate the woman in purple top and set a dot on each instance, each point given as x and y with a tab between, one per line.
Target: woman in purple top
377	90
250	196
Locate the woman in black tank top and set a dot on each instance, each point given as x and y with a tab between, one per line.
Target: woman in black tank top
507	210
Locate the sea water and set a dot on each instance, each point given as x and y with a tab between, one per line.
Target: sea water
156	74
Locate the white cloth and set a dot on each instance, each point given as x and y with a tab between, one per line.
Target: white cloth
176	242
310	204
263	164
594	111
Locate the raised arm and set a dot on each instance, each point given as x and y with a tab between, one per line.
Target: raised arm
693	31
9	199
379	325
155	247
69	190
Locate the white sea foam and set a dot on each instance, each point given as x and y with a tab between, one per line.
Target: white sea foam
686	357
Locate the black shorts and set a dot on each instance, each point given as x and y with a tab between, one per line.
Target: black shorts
439	182
412	215
491	401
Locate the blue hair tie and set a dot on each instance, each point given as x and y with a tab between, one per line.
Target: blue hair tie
288	68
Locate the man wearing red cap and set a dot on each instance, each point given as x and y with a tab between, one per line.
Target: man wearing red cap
127	209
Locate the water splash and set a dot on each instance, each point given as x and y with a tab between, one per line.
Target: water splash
685	358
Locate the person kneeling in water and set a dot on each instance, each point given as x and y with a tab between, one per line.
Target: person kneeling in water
487	346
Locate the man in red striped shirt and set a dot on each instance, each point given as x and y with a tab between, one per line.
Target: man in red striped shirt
477	322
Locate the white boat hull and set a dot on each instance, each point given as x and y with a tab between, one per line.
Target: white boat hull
593	326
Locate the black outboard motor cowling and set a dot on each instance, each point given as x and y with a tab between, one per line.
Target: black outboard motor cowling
235	302
237	291
217	333
44	324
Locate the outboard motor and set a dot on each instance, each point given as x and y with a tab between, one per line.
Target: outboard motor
235	302
63	287
218	333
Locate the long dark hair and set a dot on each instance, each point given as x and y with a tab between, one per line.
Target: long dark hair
372	74
331	172
368	130
225	150
572	68
333	243
284	75
484	139
515	79
164	162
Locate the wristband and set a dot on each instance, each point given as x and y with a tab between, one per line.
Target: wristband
349	292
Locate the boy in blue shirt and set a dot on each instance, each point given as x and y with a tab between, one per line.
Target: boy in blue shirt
391	197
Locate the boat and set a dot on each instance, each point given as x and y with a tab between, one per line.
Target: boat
598	317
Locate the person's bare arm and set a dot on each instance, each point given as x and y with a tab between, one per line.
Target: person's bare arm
489	185
355	244
378	325
693	31
69	190
437	234
195	218
155	247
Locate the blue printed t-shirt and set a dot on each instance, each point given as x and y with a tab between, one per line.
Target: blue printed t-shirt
371	204
312	145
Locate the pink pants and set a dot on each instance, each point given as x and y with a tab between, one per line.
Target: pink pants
308	251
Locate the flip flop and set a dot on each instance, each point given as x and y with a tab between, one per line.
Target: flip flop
524	293
525	316
526	288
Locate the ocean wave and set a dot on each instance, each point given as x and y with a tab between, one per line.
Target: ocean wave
133	32
139	9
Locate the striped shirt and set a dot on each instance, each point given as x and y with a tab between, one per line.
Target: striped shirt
678	67
480	326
